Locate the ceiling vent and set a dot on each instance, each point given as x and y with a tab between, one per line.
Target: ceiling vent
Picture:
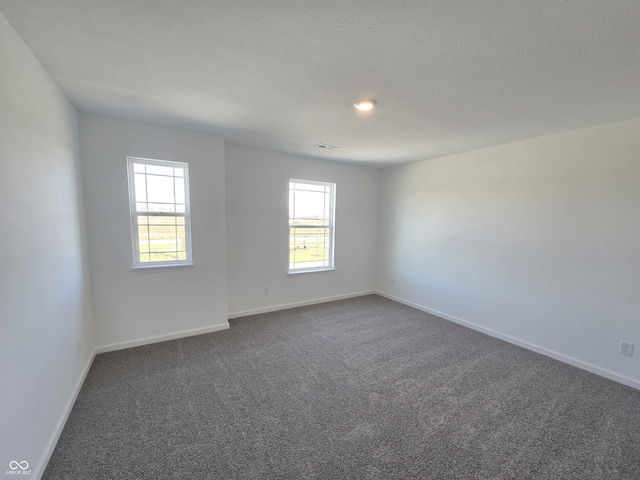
326	147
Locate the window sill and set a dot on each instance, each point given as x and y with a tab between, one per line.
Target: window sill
315	270
162	268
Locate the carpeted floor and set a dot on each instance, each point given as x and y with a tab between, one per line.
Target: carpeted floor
354	389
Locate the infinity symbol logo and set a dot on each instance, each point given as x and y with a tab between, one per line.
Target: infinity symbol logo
13	465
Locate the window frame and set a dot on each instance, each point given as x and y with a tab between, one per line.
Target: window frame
331	226
134	213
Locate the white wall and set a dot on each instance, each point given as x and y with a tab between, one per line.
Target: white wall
538	240
258	234
130	305
44	290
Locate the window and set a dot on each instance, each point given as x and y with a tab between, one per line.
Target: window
311	225
160	221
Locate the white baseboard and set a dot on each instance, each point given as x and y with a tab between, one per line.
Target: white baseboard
285	306
160	338
55	436
38	471
44	459
603	372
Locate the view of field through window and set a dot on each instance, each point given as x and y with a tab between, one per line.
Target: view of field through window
160	212
310	224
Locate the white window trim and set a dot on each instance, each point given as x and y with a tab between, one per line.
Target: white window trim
133	213
332	229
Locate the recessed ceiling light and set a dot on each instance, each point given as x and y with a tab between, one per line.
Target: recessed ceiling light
365	105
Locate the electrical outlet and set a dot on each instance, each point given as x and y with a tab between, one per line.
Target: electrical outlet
393	281
79	345
265	291
626	348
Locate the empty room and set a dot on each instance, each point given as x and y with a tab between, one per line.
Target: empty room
320	239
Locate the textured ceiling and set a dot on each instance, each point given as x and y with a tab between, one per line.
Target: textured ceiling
449	75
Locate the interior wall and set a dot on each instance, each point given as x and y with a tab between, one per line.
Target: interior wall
258	232
44	281
132	305
537	240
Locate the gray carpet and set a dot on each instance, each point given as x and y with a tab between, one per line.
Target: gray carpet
355	389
